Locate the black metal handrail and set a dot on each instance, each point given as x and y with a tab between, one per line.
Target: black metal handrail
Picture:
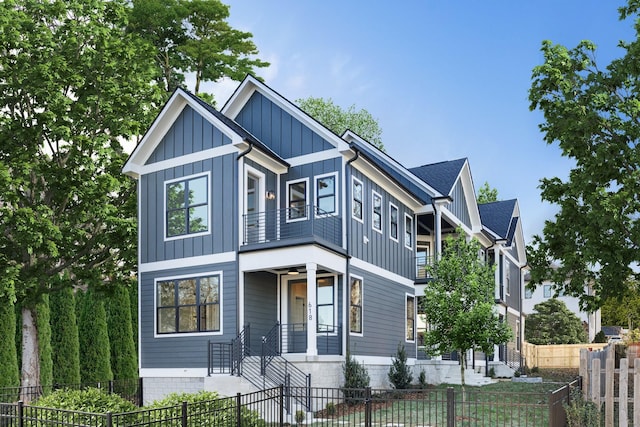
226	358
421	263
291	223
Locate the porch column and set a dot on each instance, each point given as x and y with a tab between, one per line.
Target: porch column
437	225
312	347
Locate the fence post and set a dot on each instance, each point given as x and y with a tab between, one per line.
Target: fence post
238	407
281	388
595	382
636	391
110	386
367	407
109	419
608	391
623	393
184	414
451	407
140	392
20	413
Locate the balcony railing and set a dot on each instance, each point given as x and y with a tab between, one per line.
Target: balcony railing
422	262
306	222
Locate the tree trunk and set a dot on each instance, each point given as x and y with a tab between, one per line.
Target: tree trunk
30	356
463	361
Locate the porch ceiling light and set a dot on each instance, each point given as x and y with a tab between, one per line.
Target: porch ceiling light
293	271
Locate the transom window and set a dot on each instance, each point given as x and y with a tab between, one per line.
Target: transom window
326	194
376	219
357	200
325	304
188	305
355	312
411	318
297	199
187	202
393	222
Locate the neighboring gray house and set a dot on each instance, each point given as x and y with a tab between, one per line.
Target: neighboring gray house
266	241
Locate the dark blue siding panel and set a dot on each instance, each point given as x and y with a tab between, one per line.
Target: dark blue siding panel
190	133
278	129
261	305
223	196
383	315
459	206
184	351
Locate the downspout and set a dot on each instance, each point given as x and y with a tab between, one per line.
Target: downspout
241	155
347	174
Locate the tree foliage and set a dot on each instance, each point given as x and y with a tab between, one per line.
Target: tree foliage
554	323
339	120
487	194
124	360
593	114
623	311
95	351
64	339
194	36
459	299
400	374
43	318
9	372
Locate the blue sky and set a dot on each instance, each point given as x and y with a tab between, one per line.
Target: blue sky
444	79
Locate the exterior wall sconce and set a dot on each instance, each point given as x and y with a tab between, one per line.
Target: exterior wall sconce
271	195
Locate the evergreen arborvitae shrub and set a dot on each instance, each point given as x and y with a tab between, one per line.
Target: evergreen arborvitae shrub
399	372
356	379
95	352
600	338
133	302
64	337
9	370
124	361
43	317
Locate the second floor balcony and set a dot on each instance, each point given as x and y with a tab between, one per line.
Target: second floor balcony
291	226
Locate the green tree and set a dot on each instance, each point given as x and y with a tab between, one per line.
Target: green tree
487	194
124	360
194	36
459	299
74	85
9	372
593	114
339	120
399	372
623	311
554	323
43	318
64	338
95	351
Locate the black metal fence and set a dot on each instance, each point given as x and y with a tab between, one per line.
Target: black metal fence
327	407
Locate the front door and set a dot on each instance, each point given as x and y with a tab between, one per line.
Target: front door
297	328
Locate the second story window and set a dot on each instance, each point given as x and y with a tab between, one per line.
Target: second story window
357	200
376	218
393	222
297	200
408	231
187	206
326	195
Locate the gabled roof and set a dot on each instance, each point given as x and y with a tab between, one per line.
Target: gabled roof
442	175
499	218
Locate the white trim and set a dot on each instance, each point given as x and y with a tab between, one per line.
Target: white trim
173	372
335	305
195	261
415	315
139	214
260	194
513	311
360	220
378	271
335	195
186	159
188	276
287	256
361	333
374	193
319	156
392	206
209	207
306	199
413	232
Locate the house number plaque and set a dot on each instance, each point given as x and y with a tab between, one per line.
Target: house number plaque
310	311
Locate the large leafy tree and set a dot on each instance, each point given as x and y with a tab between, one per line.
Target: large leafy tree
554	323
73	84
339	120
593	114
194	36
459	302
624	311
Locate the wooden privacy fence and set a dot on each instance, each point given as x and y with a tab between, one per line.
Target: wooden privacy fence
557	356
605	380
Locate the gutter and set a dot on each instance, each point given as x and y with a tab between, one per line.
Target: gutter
239	326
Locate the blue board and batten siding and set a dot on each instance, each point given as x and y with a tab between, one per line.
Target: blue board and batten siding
459	206
175	351
383	317
261	302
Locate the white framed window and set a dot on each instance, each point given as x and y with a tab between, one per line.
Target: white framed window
326	303
393	222
189	304
187	206
326	198
355	306
357	202
507	276
297	200
376	211
408	231
410	315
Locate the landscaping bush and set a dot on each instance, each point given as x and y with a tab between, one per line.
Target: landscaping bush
356	378
580	412
399	373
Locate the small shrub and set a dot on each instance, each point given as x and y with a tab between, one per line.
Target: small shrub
535	370
399	373
600	338
299	416
422	379
356	379
581	413
492	372
330	409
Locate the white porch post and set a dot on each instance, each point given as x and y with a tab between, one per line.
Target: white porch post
312	347
437	224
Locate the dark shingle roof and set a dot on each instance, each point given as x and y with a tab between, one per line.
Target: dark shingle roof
441	176
498	217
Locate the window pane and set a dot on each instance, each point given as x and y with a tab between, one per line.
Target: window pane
356	292
198	191
327	204
166	320
355	324
166	294
377	222
325	318
175	195
326	186
298	192
325	294
357	191
186	292
198	220
210	317
187	321
176	222
209	290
